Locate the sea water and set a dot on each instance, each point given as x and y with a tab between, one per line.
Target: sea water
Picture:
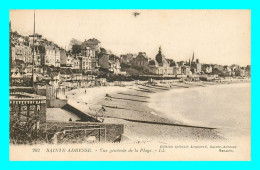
224	106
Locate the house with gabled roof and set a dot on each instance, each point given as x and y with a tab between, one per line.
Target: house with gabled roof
141	60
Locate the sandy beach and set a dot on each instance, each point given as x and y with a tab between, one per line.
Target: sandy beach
131	106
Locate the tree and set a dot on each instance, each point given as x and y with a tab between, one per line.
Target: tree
74	41
76	49
75	46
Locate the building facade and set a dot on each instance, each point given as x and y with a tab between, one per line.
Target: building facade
89	52
66	60
22	53
160	65
110	62
185	70
141	60
52	56
195	66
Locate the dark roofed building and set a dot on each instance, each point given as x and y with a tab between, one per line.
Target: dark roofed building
160	65
141	60
173	63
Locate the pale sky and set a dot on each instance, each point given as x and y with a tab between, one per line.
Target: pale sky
215	36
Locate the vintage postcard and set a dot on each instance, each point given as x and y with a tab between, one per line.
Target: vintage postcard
130	85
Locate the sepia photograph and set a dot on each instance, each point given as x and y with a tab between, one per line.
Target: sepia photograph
116	85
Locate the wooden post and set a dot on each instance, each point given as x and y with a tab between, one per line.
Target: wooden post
33	48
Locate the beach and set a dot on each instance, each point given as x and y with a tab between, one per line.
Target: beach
158	113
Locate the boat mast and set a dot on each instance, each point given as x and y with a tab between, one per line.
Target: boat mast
33	49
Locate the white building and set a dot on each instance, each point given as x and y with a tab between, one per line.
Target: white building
52	56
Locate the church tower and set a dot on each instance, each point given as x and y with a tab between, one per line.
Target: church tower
160	58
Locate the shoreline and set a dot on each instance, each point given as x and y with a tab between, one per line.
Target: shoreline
225	131
129	105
